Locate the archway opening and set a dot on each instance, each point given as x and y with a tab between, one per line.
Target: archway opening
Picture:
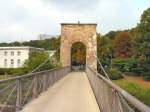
78	56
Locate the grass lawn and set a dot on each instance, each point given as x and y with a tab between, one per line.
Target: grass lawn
4	77
137	87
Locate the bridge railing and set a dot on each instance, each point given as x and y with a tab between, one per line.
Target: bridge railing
18	91
112	98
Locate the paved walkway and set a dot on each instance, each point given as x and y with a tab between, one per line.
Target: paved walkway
73	93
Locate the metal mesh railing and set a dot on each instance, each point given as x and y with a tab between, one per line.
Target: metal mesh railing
18	91
112	98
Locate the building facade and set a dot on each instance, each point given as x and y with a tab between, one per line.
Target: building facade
15	57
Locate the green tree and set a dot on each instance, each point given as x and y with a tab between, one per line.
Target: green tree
35	59
104	49
142	43
145	22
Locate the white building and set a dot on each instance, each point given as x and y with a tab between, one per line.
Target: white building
14	57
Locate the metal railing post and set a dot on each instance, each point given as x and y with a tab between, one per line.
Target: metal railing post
45	76
35	85
19	95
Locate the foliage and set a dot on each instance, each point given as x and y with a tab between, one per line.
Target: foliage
79	56
78	53
104	49
35	59
140	92
47	44
122	45
114	74
147	76
142	43
112	34
145	21
126	65
12	71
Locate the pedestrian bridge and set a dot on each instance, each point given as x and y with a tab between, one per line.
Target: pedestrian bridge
72	93
63	90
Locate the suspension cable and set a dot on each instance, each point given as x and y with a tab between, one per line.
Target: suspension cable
101	66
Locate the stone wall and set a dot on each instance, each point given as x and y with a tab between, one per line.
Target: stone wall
84	33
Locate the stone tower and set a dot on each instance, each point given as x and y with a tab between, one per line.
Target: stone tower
84	33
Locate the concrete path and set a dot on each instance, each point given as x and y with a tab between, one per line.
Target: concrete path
73	93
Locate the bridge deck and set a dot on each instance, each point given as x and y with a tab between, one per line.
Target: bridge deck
73	93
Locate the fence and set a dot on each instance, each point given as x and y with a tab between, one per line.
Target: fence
16	92
112	98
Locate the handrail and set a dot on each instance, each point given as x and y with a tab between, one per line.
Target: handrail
131	99
27	87
29	75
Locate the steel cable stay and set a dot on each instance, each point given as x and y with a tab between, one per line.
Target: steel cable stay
9	96
28	92
7	87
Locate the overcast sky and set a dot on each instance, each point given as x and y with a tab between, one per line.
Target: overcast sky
25	19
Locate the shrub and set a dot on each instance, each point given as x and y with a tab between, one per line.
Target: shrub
2	71
147	76
12	71
114	74
130	66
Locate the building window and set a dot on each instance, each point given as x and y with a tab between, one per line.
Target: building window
19	53
12	53
5	53
5	63
18	62
12	63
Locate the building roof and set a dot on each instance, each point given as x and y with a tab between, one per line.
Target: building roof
20	47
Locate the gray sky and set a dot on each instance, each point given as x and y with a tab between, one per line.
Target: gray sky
25	19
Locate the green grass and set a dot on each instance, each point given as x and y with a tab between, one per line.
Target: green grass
139	91
4	77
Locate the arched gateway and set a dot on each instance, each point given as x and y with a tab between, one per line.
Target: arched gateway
84	33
